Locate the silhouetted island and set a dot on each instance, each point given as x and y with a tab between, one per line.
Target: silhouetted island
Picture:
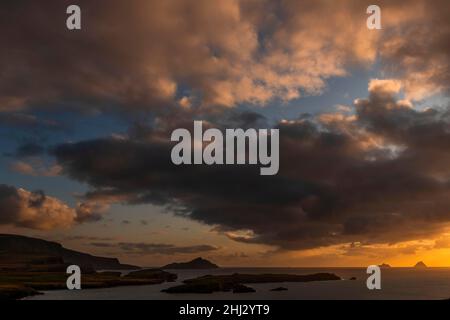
198	263
384	265
240	288
279	289
420	265
225	283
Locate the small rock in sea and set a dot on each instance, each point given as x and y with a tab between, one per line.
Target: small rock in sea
240	288
279	289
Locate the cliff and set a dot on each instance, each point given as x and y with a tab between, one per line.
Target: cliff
25	251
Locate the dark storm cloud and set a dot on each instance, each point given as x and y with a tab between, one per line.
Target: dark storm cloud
380	177
155	248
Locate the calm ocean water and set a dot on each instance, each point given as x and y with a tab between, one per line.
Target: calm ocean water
397	283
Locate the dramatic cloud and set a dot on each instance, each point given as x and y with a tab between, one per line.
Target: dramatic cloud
371	173
155	248
161	55
35	210
380	175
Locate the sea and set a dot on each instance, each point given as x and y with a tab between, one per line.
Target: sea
396	284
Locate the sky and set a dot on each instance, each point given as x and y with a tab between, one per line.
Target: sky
86	118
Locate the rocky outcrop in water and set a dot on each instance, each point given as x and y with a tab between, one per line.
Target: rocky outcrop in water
226	283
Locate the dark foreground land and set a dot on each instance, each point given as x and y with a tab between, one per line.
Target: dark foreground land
28	265
235	282
19	252
18	285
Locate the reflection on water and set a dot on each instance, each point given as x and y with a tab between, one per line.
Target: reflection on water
397	283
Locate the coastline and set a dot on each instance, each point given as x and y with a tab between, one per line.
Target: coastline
27	285
397	284
19	285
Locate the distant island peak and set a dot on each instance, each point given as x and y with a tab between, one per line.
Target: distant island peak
197	263
420	265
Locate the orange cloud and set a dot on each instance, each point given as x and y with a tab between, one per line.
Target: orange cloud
224	53
35	210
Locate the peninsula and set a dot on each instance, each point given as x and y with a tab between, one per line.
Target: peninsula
30	265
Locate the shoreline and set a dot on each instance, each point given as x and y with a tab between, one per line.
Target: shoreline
30	284
19	285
